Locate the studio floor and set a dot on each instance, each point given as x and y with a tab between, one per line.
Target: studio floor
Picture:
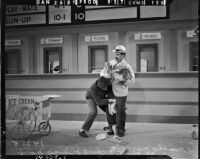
174	140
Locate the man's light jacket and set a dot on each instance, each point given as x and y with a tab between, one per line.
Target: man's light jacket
119	84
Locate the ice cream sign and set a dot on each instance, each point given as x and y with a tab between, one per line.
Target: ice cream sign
20	101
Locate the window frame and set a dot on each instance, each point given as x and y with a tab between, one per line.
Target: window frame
138	55
191	49
45	60
90	49
16	51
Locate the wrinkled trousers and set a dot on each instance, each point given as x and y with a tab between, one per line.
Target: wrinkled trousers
92	114
119	118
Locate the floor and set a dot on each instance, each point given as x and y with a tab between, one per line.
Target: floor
174	140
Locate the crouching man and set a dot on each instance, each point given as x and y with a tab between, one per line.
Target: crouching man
97	95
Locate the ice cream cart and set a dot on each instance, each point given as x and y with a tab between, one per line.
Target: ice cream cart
28	114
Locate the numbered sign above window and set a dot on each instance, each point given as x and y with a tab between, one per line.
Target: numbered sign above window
78	14
59	14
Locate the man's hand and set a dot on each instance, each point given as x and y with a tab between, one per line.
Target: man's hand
112	100
121	82
112	108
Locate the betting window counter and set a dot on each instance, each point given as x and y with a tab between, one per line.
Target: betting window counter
155	97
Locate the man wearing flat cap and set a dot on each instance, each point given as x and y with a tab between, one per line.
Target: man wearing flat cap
99	94
122	77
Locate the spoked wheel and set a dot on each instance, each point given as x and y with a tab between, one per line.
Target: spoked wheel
20	122
44	128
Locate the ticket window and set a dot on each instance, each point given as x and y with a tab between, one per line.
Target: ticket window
194	56
53	60
97	56
147	58
12	61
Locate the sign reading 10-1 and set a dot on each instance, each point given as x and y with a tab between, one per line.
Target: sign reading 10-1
59	14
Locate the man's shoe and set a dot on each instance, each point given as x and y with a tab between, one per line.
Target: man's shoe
121	134
83	134
106	128
110	132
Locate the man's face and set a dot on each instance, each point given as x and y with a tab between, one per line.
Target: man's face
119	56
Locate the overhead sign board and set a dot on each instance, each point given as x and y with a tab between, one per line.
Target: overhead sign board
12	42
147	36
113	13
153	11
24	9
56	40
190	34
26	19
46	15
96	38
61	14
17	15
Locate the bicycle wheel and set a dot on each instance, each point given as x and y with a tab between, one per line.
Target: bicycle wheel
22	123
44	128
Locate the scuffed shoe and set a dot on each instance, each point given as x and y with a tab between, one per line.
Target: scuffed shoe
110	132
117	137
121	134
106	128
83	134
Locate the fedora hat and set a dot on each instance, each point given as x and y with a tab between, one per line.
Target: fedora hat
120	49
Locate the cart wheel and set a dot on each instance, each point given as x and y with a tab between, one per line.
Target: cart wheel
44	128
20	122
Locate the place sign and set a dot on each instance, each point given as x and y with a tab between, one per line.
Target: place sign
190	34
147	36
97	38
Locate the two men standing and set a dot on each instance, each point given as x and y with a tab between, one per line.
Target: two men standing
122	76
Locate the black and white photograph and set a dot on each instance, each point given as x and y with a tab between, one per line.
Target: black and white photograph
110	78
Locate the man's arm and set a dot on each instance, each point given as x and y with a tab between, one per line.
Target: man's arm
132	80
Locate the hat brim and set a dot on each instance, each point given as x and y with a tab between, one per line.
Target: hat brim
100	137
119	51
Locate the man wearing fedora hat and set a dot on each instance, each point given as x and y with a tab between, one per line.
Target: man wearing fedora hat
98	94
122	77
